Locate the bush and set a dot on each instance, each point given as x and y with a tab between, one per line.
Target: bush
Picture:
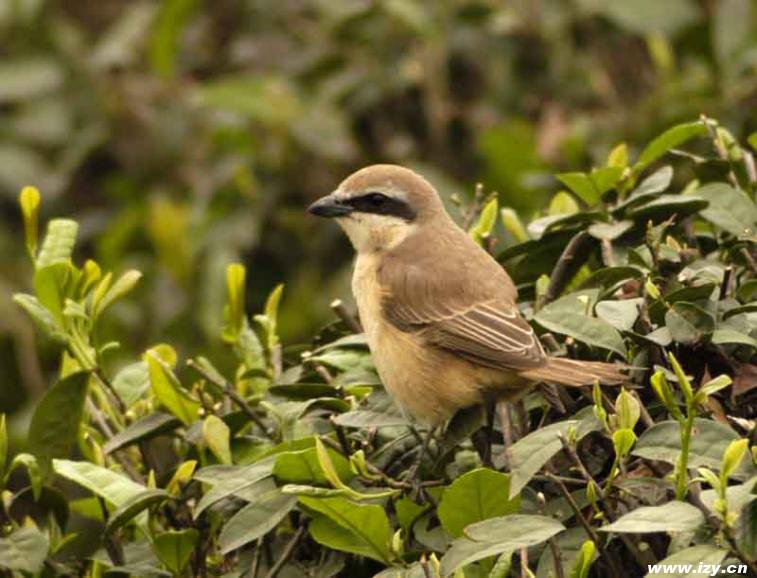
295	463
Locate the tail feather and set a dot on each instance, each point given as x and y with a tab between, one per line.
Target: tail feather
576	373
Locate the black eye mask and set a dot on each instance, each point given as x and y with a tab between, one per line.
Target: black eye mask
381	204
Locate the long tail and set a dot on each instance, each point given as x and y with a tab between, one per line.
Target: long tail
575	373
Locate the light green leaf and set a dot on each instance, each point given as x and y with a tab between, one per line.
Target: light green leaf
256	519
41	316
497	535
29	201
109	485
59	242
486	221
670	517
732	457
620	314
303	467
731	337
216	435
350	527
671	138
475	496
121	287
168	391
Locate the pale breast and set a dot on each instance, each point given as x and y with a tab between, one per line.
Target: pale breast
428	382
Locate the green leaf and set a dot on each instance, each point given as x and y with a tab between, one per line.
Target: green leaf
29	462
670	517
107	484
688	323
513	225
256	519
29	201
303	467
584	560
41	316
144	428
131	382
665	206
732	457
567	316
174	548
165	41
58	243
235	287
52	432
133	506
531	452
482	229
24	550
731	337
350	527
50	285
591	187
475	496
712	386
628	410
622	441
3	445
497	535
216	435
708	444
620	314
123	285
730	209
231	481
693	557
671	138
168	391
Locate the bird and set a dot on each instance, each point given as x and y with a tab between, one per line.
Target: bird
439	312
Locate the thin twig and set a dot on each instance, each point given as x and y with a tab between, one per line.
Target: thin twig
102	426
553	545
344	314
231	393
557	280
287	553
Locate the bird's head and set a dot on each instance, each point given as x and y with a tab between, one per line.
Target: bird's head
380	206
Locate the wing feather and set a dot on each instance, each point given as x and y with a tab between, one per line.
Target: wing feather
452	305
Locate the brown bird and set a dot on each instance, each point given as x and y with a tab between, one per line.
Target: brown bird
439	312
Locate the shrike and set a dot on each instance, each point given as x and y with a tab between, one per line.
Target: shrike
438	311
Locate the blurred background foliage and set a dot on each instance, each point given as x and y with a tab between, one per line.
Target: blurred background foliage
184	135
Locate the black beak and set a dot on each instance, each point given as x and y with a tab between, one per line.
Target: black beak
329	206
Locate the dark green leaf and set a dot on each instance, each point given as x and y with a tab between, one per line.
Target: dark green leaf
133	506
174	548
257	518
52	432
149	426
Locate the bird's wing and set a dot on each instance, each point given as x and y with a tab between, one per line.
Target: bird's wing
464	305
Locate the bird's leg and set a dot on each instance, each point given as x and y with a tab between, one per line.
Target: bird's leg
503	408
411	474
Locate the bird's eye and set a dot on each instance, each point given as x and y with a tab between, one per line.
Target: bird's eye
376	199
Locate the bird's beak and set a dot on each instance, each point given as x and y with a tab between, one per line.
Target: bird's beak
329	206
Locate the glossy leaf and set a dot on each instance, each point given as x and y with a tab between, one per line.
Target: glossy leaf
670	517
475	496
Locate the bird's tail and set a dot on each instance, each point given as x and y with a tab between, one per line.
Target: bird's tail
575	373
